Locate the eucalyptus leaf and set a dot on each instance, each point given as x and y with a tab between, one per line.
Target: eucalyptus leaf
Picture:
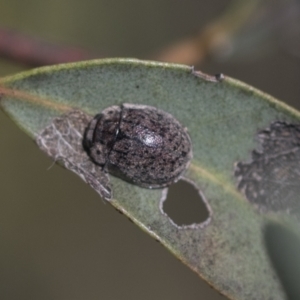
245	145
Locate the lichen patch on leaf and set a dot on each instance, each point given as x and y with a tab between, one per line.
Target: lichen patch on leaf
271	180
62	141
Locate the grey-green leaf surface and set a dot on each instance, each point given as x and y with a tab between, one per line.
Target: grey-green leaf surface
223	119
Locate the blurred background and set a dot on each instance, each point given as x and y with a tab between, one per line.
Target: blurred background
58	239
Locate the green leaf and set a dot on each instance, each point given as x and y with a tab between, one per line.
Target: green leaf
226	120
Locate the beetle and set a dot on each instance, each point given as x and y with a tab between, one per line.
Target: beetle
140	144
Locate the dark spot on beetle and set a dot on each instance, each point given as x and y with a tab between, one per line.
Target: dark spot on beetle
128	121
107	122
137	86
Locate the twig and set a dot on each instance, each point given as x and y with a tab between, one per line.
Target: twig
32	51
216	34
36	52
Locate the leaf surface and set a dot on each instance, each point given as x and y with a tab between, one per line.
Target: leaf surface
226	120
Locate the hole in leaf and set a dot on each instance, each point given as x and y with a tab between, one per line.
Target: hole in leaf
184	205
